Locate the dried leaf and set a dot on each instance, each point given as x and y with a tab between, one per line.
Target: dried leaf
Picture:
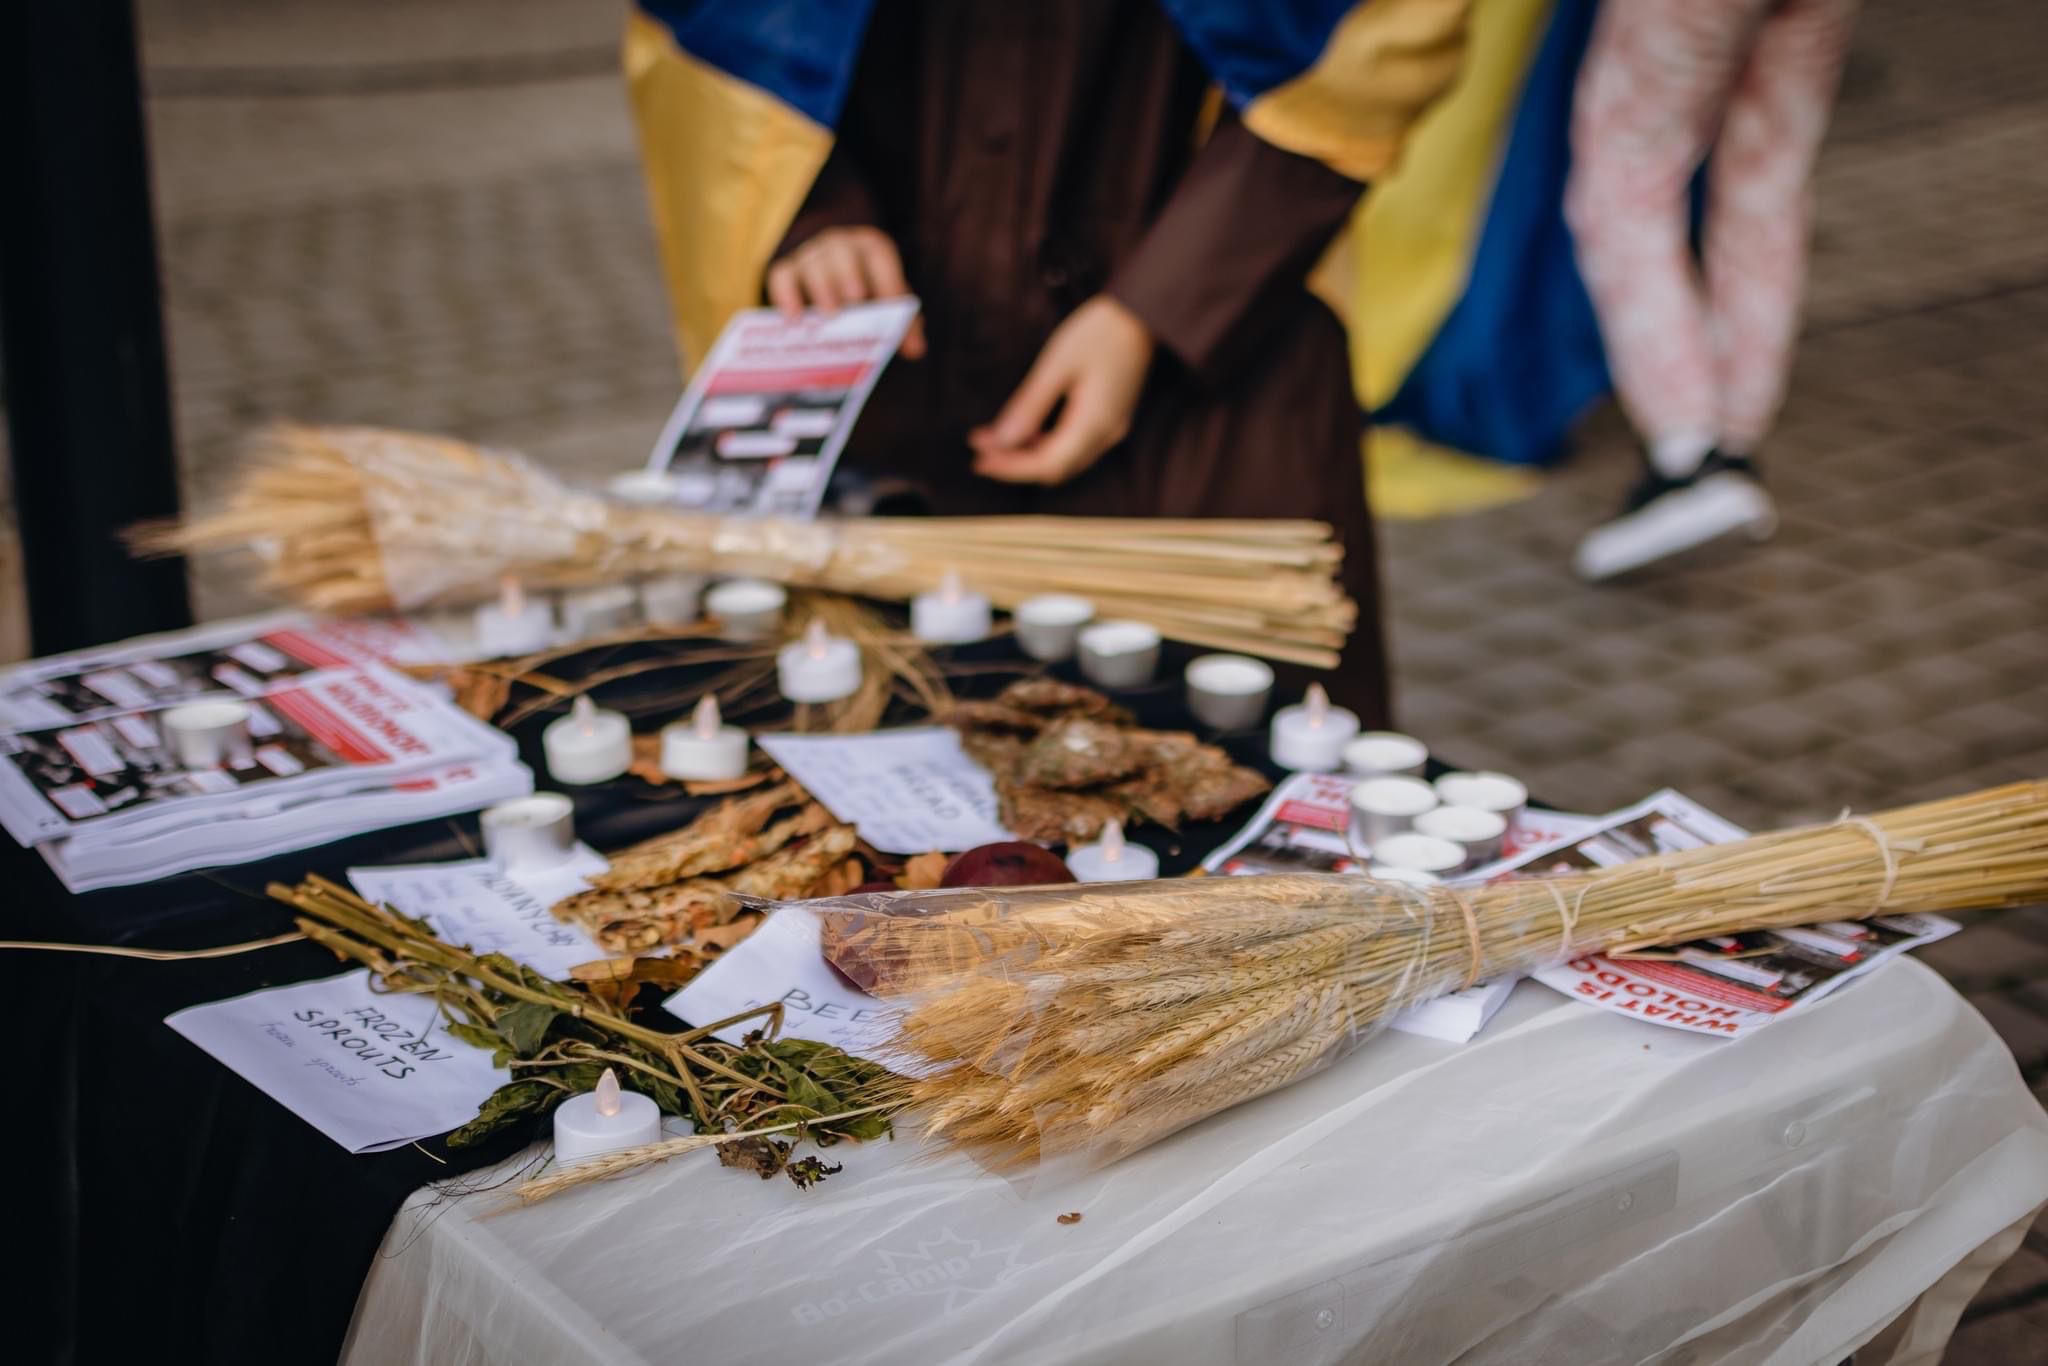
524	1025
923	873
809	1171
715	939
840	880
719	787
765	1156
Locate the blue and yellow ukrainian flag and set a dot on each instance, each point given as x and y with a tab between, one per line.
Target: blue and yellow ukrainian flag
736	103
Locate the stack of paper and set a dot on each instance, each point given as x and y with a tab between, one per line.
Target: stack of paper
339	744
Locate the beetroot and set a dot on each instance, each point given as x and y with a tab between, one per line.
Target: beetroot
1011	864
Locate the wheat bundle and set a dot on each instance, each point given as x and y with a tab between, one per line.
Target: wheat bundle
351	519
1094	1020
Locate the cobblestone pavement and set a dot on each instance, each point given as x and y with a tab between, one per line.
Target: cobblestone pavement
429	215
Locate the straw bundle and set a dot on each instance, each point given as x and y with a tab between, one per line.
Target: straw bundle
1093	1021
359	519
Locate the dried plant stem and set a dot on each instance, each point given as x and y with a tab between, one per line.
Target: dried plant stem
630	1159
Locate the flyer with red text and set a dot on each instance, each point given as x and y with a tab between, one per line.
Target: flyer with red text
765	416
1727	985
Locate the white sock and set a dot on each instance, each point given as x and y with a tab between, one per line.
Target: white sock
1677	454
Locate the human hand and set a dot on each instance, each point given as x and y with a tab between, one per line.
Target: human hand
842	266
1092	368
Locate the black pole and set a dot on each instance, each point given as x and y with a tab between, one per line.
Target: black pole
81	325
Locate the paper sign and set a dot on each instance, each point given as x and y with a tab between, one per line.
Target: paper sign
474	904
907	791
760	428
369	1069
783	961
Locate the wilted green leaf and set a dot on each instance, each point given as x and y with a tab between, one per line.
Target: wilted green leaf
524	1025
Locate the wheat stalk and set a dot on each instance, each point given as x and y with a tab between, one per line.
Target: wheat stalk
353	519
1096	1020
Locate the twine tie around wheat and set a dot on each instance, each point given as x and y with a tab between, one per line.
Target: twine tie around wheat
1884	851
1567	916
1472	930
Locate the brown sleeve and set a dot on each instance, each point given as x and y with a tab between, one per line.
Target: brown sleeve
1239	234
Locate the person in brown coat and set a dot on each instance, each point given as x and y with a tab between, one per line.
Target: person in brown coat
1116	318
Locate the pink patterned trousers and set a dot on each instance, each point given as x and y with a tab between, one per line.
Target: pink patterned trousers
1701	346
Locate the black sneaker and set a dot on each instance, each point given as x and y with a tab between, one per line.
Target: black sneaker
1664	516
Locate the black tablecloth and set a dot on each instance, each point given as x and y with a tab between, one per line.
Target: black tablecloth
170	1210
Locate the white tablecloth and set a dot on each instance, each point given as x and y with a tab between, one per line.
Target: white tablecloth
1572	1186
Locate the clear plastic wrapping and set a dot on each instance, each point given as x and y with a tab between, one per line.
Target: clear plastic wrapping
1091	1020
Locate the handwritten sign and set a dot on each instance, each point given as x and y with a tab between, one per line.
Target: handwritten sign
370	1069
473	903
907	791
782	961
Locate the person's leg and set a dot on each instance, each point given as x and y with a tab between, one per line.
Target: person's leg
1656	80
1759	208
1649	96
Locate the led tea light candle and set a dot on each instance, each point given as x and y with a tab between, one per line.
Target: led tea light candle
1228	692
608	1119
949	614
646	488
1310	737
589	745
1479	833
1414	877
1049	624
1495	792
1112	858
1418	854
704	747
529	833
1119	654
819	668
1384	807
515	624
671	600
591	612
1382	753
747	609
209	734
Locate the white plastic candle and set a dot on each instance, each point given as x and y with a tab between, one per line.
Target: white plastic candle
528	833
1119	654
747	609
209	734
1228	692
1310	737
703	747
589	745
515	624
1480	833
1379	752
1112	858
1421	853
671	600
1495	792
591	612
1048	624
949	614
649	488
1383	807
821	667
609	1119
